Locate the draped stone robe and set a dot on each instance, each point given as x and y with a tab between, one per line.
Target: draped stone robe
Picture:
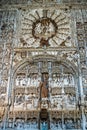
43	90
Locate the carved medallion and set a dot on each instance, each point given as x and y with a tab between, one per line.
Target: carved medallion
45	28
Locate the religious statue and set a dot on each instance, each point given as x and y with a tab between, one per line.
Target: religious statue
44	87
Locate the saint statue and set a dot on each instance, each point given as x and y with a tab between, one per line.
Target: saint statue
44	87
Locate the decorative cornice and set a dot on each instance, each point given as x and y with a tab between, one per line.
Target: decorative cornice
46	6
39	49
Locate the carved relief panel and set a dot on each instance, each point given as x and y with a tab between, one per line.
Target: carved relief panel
7	25
45	28
81	35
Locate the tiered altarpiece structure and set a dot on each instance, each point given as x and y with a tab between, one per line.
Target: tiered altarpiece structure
43	62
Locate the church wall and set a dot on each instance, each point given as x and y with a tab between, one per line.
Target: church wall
12	31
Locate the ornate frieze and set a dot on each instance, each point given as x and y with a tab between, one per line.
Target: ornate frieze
40	1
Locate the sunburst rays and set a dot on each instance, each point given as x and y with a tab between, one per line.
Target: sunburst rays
61	21
37	14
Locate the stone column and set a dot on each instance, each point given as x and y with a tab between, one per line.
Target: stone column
77	89
13	99
49	89
39	120
39	73
83	123
62	120
2	61
50	77
9	86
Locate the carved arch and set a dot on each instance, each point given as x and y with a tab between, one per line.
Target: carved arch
30	61
21	64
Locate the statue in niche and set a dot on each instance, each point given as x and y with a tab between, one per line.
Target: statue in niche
44	86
